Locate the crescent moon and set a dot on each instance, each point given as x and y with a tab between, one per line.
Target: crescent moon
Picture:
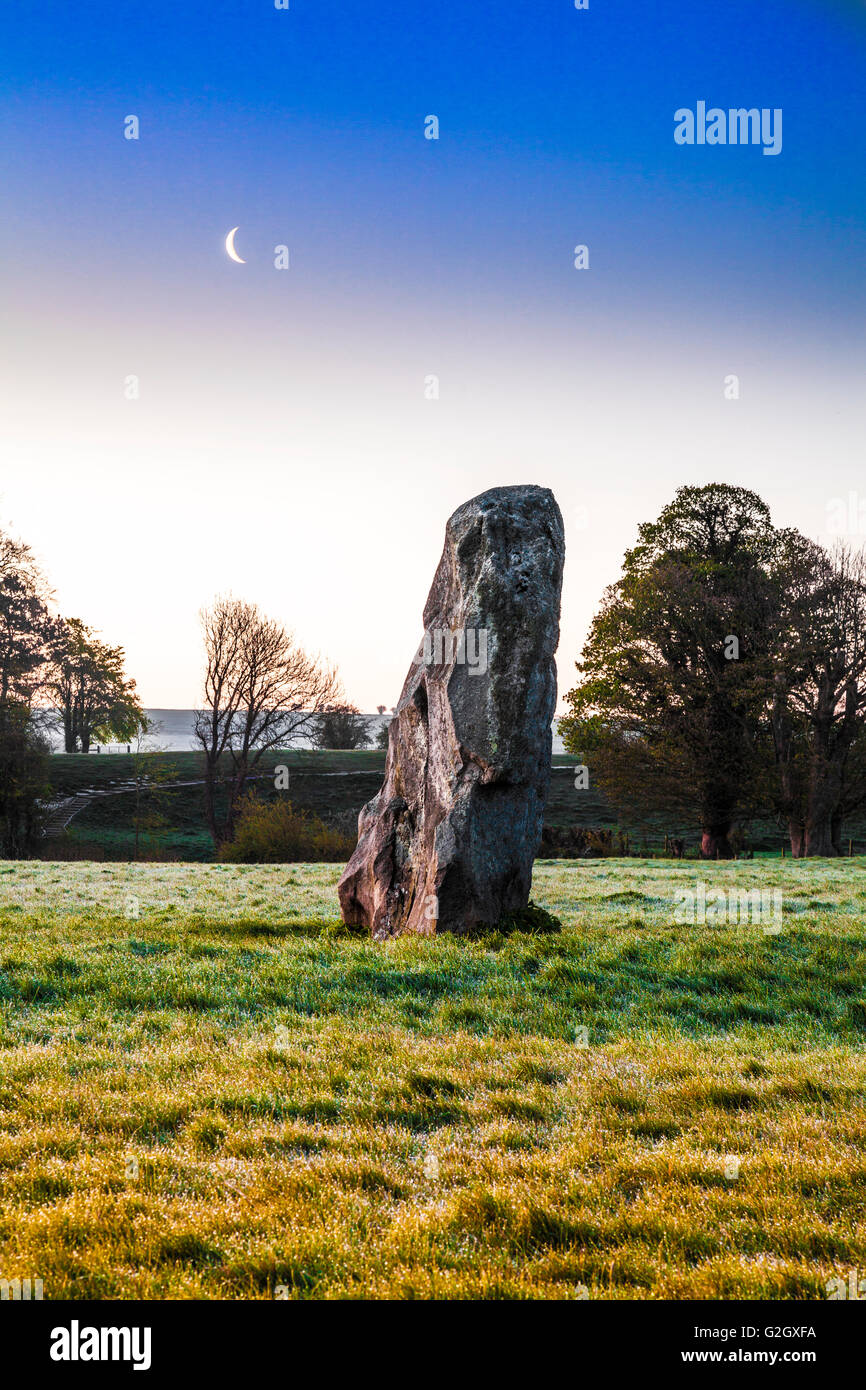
230	246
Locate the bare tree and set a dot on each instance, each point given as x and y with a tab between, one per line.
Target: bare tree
261	691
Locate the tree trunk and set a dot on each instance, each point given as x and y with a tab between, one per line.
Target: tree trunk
836	824
714	842
819	838
210	807
236	791
825	792
797	836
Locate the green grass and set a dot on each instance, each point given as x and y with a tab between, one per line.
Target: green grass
73	772
210	1089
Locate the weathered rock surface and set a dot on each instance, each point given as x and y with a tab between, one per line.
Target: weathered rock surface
448	842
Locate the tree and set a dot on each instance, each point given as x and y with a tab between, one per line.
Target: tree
345	727
726	673
27	632
24	783
96	700
261	691
383	737
675	673
853	797
818	713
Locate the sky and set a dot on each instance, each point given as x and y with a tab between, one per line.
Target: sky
283	445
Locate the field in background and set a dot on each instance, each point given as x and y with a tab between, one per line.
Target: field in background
106	828
331	785
210	1090
172	817
72	772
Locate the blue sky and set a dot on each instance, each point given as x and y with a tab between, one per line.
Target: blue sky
295	399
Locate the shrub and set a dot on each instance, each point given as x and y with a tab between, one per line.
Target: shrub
580	842
273	832
343	727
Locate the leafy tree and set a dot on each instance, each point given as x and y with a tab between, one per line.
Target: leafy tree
726	673
96	700
345	727
817	716
676	673
27	632
24	783
383	736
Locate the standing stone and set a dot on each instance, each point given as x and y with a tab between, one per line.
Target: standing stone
448	843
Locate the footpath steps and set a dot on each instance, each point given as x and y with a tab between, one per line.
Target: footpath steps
63	811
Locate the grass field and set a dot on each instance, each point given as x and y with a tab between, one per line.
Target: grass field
208	1089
